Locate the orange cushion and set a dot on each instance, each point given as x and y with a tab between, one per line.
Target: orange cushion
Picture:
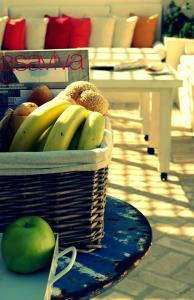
145	30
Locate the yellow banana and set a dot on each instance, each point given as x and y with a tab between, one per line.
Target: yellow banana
93	131
65	127
75	140
37	122
42	139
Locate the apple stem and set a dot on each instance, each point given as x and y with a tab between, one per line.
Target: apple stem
27	225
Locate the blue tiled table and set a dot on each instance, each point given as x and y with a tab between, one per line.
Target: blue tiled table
127	239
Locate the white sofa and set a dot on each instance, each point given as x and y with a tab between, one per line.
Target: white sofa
81	8
98	8
183	61
186	93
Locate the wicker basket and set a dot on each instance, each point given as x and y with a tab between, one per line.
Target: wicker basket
69	194
73	204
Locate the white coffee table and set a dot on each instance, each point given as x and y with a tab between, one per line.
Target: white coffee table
157	90
109	55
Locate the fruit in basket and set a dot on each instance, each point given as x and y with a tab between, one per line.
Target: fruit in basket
40	143
20	114
40	95
93	131
75	89
86	94
27	244
75	140
65	127
93	101
38	121
24	109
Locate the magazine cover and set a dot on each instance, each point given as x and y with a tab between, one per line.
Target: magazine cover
21	71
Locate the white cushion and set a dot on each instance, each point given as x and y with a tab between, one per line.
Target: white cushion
80	11
139	8
175	47
189	47
35	11
3	21
160	49
35	33
102	31
186	60
124	30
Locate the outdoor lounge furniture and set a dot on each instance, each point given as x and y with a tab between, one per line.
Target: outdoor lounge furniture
102	12
155	89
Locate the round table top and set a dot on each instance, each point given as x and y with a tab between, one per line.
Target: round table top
127	238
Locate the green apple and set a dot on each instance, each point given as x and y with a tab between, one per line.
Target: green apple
27	244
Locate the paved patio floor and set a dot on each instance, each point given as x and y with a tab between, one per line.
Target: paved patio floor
168	271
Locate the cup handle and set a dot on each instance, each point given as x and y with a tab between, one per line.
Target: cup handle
70	265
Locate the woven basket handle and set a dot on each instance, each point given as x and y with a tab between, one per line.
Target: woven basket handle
70	265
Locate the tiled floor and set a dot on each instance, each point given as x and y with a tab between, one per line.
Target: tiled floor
168	271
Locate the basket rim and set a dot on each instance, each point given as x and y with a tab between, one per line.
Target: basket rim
34	163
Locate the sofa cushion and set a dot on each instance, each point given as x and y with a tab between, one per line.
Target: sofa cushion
80	11
35	33
80	32
189	47
187	61
3	22
124	30
58	32
33	11
102	31
145	31
139	8
14	35
171	44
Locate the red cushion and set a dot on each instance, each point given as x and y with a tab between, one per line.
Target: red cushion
58	32
80	32
14	35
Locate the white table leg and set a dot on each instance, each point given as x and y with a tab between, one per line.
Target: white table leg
154	121
165	112
145	112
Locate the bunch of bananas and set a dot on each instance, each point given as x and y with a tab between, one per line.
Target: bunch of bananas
59	124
